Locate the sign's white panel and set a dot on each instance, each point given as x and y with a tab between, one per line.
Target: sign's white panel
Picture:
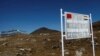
77	25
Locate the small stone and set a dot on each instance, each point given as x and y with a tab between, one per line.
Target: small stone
53	53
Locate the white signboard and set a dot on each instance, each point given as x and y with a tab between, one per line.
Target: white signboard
76	25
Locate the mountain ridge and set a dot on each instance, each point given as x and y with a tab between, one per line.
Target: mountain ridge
44	30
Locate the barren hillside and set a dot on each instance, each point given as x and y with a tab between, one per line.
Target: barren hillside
47	42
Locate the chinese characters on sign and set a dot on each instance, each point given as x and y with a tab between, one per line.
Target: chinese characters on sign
77	25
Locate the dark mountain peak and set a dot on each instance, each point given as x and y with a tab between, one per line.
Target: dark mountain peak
44	30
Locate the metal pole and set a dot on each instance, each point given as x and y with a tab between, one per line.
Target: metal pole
62	36
65	26
92	36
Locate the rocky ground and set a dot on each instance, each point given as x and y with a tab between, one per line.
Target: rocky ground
46	42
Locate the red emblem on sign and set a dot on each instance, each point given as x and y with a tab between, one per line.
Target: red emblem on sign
69	16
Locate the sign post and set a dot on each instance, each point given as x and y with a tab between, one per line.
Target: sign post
76	26
62	35
93	46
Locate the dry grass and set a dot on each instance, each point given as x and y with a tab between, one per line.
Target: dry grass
32	45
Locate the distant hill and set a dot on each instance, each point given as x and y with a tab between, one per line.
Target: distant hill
96	26
12	33
44	30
